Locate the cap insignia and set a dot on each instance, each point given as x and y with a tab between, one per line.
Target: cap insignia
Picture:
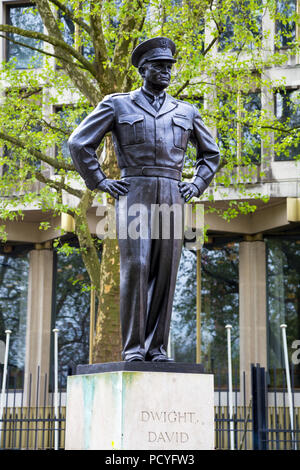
164	44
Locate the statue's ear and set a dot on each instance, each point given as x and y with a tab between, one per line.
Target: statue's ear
141	70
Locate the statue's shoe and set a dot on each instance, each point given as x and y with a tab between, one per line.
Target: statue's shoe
134	358
161	358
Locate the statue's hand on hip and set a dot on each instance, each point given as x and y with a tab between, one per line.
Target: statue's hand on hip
188	190
115	188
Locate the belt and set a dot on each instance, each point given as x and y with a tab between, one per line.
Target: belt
151	171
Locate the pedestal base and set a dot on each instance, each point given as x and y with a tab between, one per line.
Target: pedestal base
148	407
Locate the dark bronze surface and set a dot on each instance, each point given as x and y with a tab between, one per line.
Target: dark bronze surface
179	367
151	131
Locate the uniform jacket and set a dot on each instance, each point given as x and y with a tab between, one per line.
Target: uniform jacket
144	137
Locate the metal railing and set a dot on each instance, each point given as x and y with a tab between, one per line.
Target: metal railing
276	418
264	423
233	416
34	418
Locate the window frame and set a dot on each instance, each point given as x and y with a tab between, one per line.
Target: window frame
289	88
15	251
277	27
6	17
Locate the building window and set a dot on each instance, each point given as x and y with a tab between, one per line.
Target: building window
14	163
251	141
227	35
237	139
241	26
61	122
226	130
191	153
219	306
24	16
67	27
287	110
75	38
65	119
285	25
283	303
71	312
14	269
183	324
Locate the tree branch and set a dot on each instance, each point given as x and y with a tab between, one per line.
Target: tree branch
58	185
88	250
105	72
127	27
286	130
71	15
220	26
80	80
54	128
55	41
211	45
25	94
220	29
187	83
127	83
36	153
42	51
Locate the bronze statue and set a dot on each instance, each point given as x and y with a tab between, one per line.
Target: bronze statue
150	131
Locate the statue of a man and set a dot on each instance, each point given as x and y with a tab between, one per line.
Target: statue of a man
150	131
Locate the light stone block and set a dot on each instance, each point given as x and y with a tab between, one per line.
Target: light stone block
140	411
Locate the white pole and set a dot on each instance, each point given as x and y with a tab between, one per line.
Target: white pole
56	431
288	379
8	333
228	328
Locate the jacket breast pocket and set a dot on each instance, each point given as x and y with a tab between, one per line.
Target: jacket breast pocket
181	131
131	129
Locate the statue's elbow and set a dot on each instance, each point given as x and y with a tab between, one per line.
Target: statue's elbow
73	145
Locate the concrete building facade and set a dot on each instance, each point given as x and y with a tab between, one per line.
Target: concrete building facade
260	251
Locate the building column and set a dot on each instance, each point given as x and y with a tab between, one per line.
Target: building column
38	336
252	307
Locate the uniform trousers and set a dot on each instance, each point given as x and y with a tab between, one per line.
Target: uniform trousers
150	236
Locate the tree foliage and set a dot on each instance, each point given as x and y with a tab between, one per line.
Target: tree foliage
223	52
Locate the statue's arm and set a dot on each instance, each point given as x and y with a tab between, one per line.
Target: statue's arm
85	140
208	154
207	161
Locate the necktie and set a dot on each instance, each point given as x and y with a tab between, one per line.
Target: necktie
156	103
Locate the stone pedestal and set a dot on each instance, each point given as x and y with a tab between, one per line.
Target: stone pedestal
140	406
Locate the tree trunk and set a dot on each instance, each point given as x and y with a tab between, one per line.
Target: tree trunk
107	342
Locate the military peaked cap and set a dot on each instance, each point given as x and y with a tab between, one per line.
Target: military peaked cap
153	49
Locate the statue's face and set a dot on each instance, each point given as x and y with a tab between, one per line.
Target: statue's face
157	74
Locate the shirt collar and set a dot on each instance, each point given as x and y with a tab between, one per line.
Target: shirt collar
151	95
